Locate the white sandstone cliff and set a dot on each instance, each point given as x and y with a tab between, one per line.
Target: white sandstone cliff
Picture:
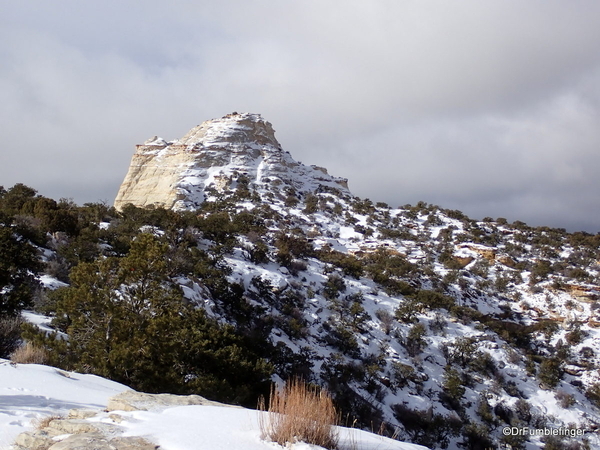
181	174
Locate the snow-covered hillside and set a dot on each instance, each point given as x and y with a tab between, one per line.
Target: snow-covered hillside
403	354
431	326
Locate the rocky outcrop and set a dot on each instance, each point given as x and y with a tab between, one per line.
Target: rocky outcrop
463	260
139	401
488	253
584	293
210	158
67	434
101	430
507	261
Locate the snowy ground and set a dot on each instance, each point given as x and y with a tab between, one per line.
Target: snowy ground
28	392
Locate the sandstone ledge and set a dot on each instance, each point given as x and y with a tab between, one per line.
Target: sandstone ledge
82	429
139	401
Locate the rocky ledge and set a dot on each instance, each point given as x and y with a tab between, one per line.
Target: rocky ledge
100	429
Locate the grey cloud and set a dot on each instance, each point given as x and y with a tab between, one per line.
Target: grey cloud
489	107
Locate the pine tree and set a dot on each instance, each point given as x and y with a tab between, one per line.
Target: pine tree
18	262
128	322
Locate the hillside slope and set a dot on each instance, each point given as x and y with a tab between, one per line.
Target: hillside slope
422	322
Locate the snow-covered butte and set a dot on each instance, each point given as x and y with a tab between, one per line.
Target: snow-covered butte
179	174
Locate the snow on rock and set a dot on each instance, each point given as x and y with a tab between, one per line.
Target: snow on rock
179	174
140	401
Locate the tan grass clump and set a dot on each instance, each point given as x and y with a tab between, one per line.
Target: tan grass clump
300	413
44	422
29	354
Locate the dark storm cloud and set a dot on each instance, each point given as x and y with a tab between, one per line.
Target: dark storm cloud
489	107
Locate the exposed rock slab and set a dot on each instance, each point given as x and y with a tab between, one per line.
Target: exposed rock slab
78	432
79	426
81	413
87	441
35	440
132	443
95	441
139	401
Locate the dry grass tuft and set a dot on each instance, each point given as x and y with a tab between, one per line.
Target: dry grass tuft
300	413
43	422
29	354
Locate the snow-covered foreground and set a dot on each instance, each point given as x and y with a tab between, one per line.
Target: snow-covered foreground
218	428
28	392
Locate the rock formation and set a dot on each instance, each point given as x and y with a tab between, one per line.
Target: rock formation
181	174
100	430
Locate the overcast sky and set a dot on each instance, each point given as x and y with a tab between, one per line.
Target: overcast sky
492	108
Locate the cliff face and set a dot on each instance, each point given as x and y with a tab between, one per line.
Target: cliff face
181	174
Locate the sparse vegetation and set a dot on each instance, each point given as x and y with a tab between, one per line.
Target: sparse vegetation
300	413
218	300
44	422
29	354
10	335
